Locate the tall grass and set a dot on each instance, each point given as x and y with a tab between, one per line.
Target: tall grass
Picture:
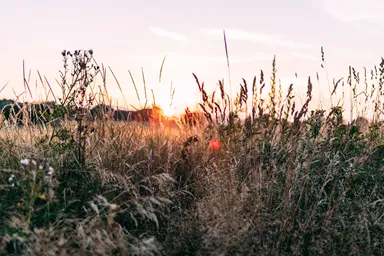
286	179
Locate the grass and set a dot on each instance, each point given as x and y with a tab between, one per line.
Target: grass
286	180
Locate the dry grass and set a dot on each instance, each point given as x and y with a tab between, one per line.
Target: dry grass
286	180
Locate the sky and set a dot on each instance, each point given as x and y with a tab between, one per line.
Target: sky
135	35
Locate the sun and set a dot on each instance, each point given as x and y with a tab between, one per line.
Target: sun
165	102
171	101
168	111
166	107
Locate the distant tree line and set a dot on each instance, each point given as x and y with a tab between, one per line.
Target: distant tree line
102	111
46	112
37	113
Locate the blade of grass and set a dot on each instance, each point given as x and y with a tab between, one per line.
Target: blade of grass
134	84
26	83
3	87
118	84
229	69
144	84
161	68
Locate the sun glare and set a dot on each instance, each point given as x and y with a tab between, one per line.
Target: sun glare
164	102
168	111
173	106
163	99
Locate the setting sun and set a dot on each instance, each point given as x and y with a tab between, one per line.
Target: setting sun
164	101
167	110
172	102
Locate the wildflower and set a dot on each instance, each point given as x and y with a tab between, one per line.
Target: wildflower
25	161
214	144
11	178
50	171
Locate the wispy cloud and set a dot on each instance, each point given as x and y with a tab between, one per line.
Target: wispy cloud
184	58
168	34
303	56
366	16
240	35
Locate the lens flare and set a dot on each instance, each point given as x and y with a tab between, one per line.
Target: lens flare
214	144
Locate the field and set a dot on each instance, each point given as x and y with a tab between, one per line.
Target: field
285	180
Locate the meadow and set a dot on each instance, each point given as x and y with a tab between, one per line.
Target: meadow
284	180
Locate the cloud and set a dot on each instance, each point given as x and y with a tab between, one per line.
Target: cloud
168	34
304	56
196	59
366	16
240	35
187	59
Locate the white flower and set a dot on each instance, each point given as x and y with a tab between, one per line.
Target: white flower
50	171
25	161
11	178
